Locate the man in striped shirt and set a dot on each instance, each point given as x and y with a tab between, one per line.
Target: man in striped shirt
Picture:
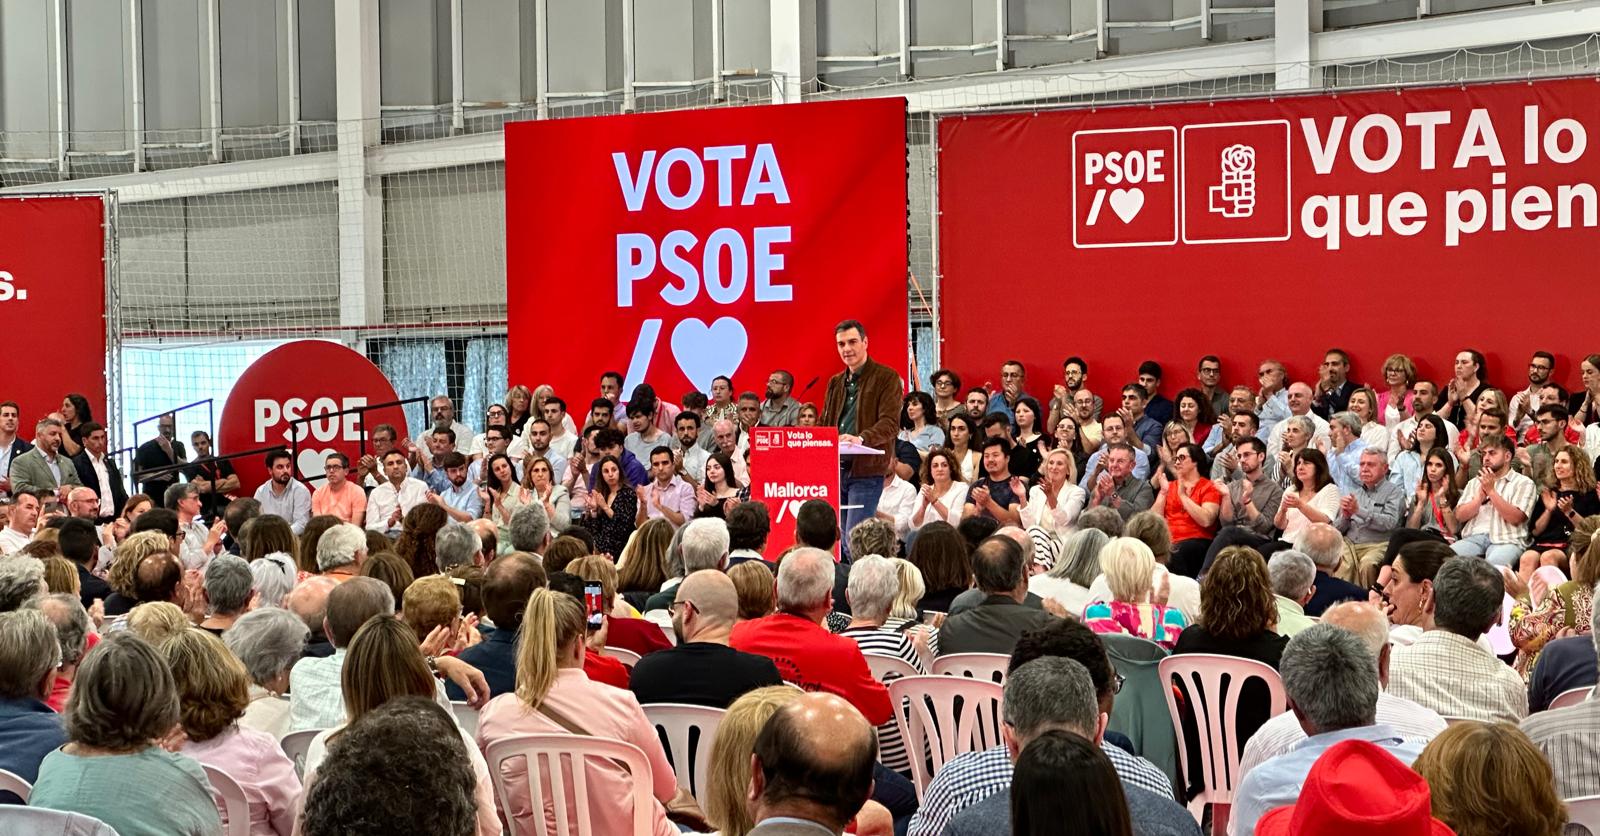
1570	739
970	778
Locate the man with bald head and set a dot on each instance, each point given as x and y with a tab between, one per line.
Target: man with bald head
1407	718
1300	396
309	601
702	669
812	768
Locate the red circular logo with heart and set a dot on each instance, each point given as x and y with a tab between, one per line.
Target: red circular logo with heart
305	379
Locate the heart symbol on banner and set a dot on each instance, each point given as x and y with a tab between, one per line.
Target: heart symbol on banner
706	351
1127	203
312	463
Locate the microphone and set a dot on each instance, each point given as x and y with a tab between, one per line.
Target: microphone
808	386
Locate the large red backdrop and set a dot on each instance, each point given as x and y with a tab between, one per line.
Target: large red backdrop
52	304
1422	221
610	221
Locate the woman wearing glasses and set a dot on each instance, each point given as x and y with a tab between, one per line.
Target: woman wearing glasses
1394	398
1190	503
946	384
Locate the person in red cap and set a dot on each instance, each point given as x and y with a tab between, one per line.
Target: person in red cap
1357	784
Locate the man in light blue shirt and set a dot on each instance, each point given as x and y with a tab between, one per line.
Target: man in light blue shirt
1344	451
1331	680
1273	400
284	495
459	499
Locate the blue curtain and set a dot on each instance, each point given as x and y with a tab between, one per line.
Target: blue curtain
417	369
484	382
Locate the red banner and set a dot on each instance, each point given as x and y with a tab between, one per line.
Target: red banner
297	380
1407	221
789	465
676	247
52	304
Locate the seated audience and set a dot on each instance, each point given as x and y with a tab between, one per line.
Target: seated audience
268	642
1134	608
974	776
1543	613
213	695
805	652
274	577
635	634
1293	578
431	607
507	584
384	663
316	700
596	665
812	768
941	554
1331	680
702	544
727	798
1190	503
1150	528
1566	736
993	625
1055	696
1068	582
419	533
1487	779
117	765
1325	547
1367	623
874	586
553	696
228	591
642	567
29	730
1394	798
391	570
401	768
157	621
1446	669
702	669
1494	507
756	587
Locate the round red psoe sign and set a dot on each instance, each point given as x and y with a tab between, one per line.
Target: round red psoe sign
296	380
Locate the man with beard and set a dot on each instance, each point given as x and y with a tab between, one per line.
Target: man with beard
779	410
284	495
214	479
159	452
690	456
702	669
44	470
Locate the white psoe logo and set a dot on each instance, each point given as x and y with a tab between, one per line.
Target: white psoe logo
1235	196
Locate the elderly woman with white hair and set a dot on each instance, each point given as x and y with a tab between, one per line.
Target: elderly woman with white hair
873	588
274	578
268	641
1068	582
1134	608
21	580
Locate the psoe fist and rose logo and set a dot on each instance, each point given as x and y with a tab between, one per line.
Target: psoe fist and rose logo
1206	184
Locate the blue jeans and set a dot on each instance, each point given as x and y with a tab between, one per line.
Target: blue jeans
857	490
1500	554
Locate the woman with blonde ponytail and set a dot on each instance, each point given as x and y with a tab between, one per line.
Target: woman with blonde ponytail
554	696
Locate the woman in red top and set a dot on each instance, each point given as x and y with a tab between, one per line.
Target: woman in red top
1190	504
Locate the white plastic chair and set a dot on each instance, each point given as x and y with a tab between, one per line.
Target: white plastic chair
295	745
14	783
931	722
231	803
1213	684
687	732
989	666
1585	813
1572	696
37	821
626	657
543	754
886	668
466	716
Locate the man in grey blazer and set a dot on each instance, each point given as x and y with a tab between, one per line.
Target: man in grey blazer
812	769
43	470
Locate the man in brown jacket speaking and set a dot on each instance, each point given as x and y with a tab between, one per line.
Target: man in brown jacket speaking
864	403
